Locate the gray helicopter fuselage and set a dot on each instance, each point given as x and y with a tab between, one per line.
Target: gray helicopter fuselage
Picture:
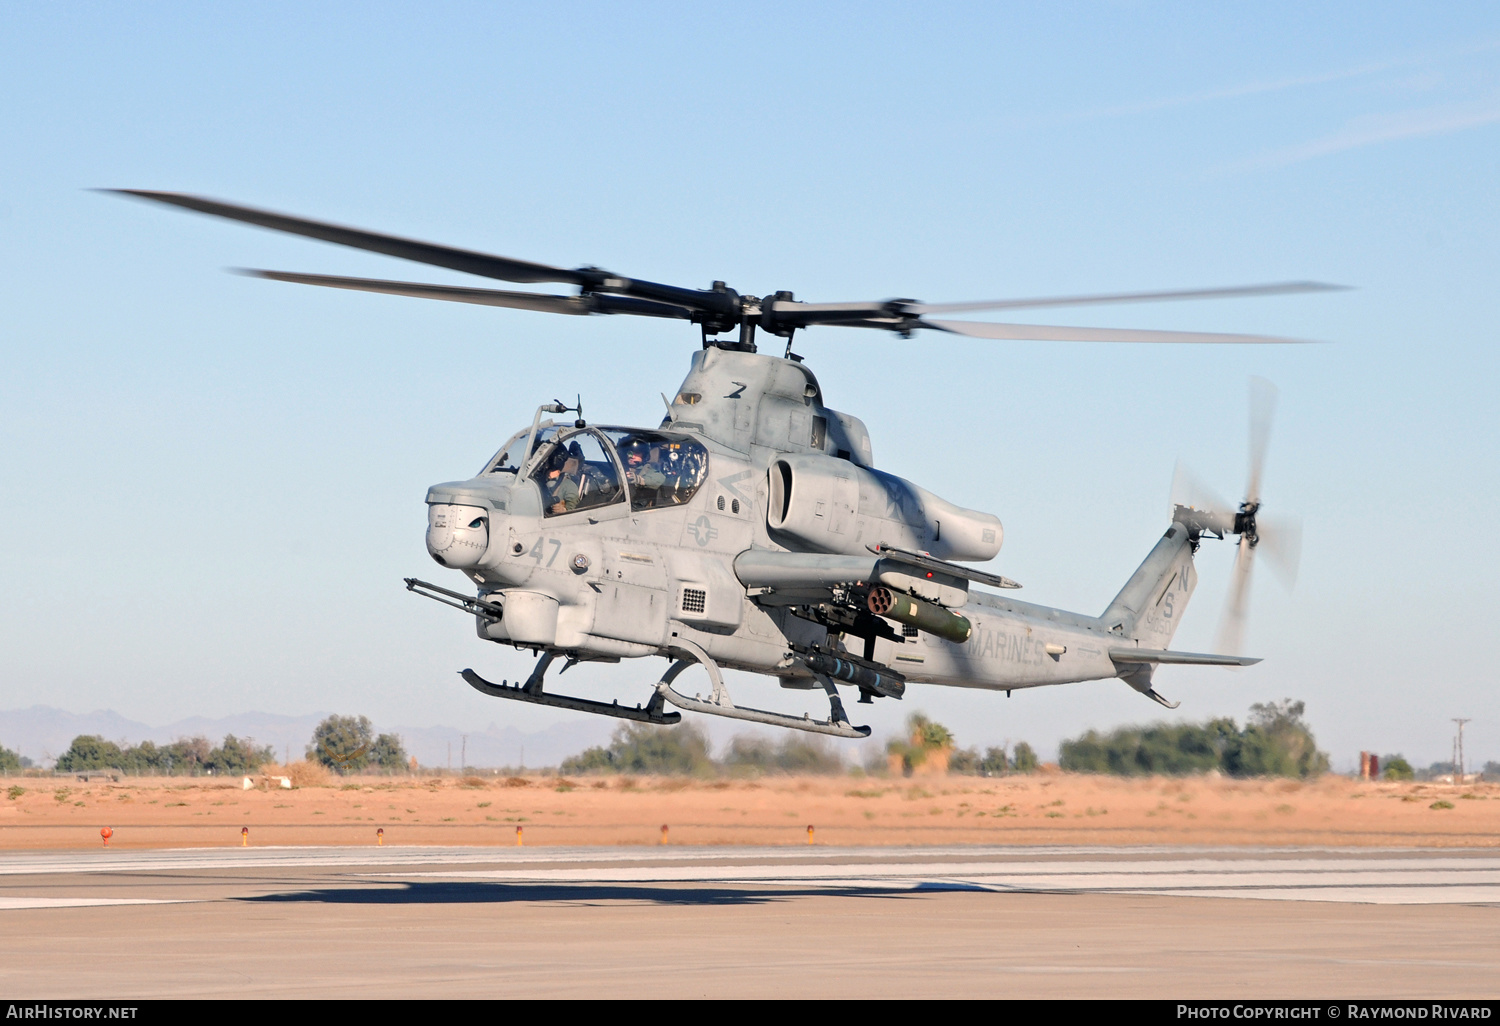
776	472
751	527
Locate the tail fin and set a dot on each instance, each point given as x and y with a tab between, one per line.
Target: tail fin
1152	602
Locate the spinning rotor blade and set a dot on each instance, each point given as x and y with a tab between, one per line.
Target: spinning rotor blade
900	314
1232	292
585	304
718	309
1262	409
1187	490
1231	634
1281	544
482	264
1056	333
723	305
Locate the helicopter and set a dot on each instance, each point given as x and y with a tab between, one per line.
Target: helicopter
751	530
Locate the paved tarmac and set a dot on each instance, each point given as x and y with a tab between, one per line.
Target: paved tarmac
745	922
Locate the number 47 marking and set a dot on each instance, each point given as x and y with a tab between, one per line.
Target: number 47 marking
536	550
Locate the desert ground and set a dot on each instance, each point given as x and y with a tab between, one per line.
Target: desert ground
1044	808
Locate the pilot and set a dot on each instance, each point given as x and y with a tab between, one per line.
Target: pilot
641	471
564	470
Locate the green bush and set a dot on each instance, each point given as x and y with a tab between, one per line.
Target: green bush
342	743
922	736
994	763
389	753
236	758
643	748
794	753
590	760
1023	759
1162	748
965	761
91	752
10	762
1276	744
1396	768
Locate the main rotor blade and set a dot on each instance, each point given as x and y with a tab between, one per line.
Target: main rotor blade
1231	292
790	311
1262	409
482	264
586	304
723	304
1058	333
1231	634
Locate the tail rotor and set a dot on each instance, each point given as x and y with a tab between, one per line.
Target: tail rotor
1279	539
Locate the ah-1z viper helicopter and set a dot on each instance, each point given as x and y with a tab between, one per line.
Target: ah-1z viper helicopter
750	529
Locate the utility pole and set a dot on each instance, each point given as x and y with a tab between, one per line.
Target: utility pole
463	756
1458	751
450	756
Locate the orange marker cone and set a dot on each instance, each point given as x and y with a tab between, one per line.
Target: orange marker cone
518	837
106	833
663	833
809	833
380	835
244	837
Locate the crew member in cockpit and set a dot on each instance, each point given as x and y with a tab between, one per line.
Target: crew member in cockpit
565	468
641	471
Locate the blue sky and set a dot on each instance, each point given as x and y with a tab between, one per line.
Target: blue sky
213	485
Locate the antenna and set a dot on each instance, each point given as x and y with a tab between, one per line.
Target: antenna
1458	750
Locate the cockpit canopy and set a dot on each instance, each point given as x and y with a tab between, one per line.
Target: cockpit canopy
588	468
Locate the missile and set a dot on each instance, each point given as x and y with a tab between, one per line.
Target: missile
921	614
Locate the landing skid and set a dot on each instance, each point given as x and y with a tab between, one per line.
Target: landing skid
532	692
720	704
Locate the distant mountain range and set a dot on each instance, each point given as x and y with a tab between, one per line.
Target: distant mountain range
42	733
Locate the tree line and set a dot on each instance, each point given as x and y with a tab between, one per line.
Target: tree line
185	757
1276	742
684	750
343	744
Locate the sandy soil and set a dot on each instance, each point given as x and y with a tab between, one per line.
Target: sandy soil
1047	808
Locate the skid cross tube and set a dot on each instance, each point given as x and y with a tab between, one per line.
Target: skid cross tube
720	704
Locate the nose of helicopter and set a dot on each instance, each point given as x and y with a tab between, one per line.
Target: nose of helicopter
457	536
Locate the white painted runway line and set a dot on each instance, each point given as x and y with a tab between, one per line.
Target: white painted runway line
1384	876
10	904
99	860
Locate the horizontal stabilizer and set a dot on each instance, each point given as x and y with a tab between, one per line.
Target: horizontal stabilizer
1158	655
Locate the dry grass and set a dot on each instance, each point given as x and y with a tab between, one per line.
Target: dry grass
1047	808
302	773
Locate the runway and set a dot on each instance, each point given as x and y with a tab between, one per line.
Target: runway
791	921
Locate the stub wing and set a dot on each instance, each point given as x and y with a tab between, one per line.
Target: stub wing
776	577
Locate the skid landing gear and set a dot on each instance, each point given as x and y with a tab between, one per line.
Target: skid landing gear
720	704
532	692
